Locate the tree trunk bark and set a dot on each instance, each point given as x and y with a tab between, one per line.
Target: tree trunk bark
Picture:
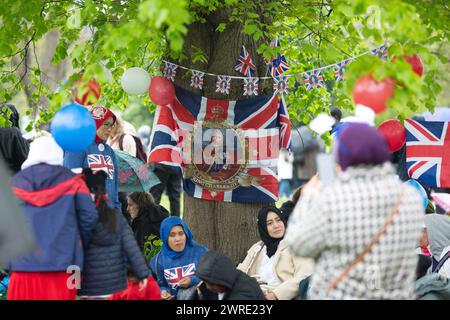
230	228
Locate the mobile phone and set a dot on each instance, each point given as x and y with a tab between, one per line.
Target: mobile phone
326	167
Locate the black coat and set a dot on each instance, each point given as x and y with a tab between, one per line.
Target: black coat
13	148
104	269
218	269
148	222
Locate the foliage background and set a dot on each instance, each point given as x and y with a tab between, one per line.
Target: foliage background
45	45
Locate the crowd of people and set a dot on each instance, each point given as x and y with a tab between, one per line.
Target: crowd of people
367	235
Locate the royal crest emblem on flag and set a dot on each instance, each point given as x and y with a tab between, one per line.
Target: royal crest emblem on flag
339	69
244	63
223	84
313	79
251	130
380	52
281	85
197	79
99	162
428	152
251	86
174	275
170	70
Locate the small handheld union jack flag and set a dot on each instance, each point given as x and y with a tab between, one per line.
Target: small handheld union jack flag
244	63
380	52
281	85
174	275
99	162
197	79
339	69
170	70
223	84
313	79
251	86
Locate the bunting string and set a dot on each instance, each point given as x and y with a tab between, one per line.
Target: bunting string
313	78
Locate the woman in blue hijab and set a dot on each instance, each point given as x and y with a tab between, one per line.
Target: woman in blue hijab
175	265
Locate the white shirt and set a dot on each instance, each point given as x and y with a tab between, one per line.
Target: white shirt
265	270
221	295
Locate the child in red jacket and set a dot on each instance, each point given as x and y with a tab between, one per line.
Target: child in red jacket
150	292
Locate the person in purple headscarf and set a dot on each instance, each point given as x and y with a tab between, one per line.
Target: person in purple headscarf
334	224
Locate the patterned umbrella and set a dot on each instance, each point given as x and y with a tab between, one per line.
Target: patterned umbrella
134	175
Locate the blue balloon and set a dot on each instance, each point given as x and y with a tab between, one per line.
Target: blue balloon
422	191
73	128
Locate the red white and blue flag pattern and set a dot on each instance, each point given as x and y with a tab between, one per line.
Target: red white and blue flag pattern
281	85
170	70
251	86
174	275
223	84
278	64
99	162
428	152
197	79
380	52
313	79
339	69
267	114
244	63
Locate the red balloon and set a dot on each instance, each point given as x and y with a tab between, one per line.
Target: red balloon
161	91
87	93
395	134
368	92
415	62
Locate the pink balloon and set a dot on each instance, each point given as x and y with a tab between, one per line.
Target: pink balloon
161	91
395	134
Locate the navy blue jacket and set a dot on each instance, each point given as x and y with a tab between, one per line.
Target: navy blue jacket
97	159
62	216
104	269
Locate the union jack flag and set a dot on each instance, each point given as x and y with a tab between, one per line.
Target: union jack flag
99	162
170	70
380	52
313	79
223	84
174	275
244	63
263	120
281	85
251	86
197	79
428	152
339	69
278	65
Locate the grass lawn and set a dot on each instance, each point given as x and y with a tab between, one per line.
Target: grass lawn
166	203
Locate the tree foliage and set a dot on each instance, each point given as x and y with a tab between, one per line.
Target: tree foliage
103	38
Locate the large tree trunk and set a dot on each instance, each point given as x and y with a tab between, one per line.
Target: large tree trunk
229	228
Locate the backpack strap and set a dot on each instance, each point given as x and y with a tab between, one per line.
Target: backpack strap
442	262
121	142
156	263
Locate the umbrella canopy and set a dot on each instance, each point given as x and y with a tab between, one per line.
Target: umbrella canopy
134	175
440	114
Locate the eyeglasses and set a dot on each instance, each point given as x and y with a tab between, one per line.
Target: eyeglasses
108	125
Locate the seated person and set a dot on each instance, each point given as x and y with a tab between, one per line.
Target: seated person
222	281
271	262
175	265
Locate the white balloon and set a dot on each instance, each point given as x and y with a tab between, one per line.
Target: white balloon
135	81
